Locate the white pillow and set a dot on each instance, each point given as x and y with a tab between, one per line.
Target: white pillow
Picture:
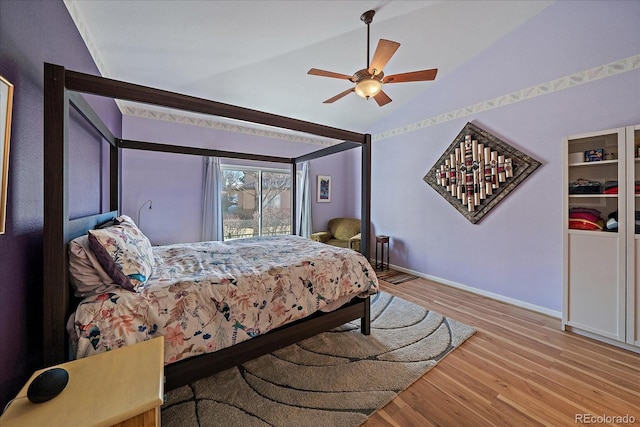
88	278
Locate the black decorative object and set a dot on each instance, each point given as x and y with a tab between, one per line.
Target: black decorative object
477	171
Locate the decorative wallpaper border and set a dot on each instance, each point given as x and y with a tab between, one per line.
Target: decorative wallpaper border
601	71
224	126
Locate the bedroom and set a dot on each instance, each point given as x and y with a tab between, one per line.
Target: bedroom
526	227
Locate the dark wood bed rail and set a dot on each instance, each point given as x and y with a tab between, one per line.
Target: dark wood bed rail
87	83
196	151
61	90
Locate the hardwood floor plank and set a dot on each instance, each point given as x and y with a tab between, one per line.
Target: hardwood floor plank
433	405
534	401
551	380
400	414
519	368
612	374
586	396
475	405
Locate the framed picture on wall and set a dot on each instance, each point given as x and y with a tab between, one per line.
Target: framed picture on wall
6	104
324	188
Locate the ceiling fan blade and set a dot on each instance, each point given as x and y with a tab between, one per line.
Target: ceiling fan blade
338	96
384	52
322	73
414	76
382	98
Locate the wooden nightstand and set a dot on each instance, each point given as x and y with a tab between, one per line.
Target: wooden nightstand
122	387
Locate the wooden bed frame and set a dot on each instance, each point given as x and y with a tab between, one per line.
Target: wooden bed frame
62	88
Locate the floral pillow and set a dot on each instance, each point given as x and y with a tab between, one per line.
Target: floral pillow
124	252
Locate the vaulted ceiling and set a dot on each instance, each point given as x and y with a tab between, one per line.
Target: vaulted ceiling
256	54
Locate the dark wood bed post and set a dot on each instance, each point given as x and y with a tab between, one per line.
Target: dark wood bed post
294	197
365	206
114	177
58	228
55	292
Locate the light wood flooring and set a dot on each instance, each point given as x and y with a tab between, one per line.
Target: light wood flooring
519	369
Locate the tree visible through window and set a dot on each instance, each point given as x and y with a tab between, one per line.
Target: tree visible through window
255	202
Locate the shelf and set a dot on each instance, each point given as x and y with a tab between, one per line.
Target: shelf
600	163
587	196
599	233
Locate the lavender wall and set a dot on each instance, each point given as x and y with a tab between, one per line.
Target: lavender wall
345	194
174	182
31	33
516	251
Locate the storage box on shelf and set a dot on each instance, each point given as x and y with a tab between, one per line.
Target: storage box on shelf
599	244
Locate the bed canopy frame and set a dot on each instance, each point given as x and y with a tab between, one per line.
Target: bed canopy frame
62	88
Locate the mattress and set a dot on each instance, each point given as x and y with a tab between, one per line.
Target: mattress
206	296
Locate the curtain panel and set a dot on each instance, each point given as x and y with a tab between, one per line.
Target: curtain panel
303	221
211	200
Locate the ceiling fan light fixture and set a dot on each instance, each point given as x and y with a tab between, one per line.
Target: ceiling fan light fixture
367	88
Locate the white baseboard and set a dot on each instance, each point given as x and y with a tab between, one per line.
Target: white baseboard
522	304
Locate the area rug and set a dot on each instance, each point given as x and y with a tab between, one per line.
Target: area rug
337	378
395	277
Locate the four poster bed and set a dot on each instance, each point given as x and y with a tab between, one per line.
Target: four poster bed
247	335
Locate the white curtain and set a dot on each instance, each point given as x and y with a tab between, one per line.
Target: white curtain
211	200
303	221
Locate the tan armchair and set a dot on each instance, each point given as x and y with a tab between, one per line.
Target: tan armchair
343	232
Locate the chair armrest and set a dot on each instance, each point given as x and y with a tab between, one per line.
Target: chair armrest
321	236
354	242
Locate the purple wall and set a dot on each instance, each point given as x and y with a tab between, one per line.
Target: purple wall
31	33
516	250
174	182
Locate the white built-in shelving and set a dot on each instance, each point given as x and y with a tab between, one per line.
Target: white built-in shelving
601	269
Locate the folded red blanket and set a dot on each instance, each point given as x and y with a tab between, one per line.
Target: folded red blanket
583	224
584	215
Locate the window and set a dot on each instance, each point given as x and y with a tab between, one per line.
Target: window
255	202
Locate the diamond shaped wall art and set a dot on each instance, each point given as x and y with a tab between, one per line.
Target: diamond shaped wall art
477	171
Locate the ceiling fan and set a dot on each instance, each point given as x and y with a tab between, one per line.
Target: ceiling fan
369	81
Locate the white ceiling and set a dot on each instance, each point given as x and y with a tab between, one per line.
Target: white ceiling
256	54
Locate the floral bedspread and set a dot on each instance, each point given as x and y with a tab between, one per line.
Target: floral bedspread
207	296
